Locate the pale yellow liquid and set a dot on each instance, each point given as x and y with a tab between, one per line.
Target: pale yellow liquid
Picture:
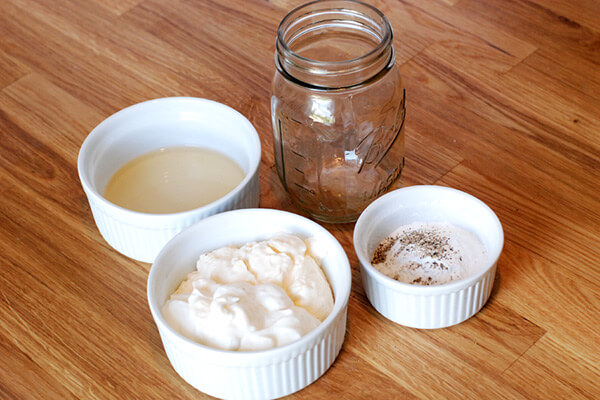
173	179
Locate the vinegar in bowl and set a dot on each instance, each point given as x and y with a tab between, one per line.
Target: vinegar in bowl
173	179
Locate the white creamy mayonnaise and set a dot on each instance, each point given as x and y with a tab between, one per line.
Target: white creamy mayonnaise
255	297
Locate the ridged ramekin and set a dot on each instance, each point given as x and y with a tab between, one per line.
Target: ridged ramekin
152	125
255	374
435	306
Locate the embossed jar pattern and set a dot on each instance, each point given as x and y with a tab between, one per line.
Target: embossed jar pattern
337	108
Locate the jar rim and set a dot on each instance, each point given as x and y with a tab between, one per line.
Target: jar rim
282	46
327	88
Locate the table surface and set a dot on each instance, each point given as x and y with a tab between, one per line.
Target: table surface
503	101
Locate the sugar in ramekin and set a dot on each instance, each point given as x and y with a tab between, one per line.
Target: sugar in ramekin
435	306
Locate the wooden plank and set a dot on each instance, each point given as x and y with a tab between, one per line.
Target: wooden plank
565	306
584	12
405	354
493	36
426	161
348	381
536	24
566	107
30	163
568	69
463	112
67	63
530	216
202	32
550	368
70	316
46	111
26	374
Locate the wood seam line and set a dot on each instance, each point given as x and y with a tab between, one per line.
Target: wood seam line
20	78
527	349
441	178
561	379
414	55
551	76
503	73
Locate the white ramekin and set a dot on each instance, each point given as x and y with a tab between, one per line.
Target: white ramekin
152	125
435	306
259	374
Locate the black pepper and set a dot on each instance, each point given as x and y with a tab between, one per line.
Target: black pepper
428	242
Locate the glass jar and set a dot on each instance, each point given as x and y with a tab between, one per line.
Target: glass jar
337	108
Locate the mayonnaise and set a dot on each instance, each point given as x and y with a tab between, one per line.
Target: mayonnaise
259	296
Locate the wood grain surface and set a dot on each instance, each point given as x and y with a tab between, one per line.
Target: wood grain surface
503	101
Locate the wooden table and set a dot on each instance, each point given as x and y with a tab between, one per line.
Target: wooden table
503	100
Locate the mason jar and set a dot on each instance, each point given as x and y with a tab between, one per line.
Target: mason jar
337	108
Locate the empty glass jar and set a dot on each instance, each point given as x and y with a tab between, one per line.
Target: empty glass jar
337	108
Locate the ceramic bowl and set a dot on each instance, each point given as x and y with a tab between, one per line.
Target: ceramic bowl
434	306
153	125
263	374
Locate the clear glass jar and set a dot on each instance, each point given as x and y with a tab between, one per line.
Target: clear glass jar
337	108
